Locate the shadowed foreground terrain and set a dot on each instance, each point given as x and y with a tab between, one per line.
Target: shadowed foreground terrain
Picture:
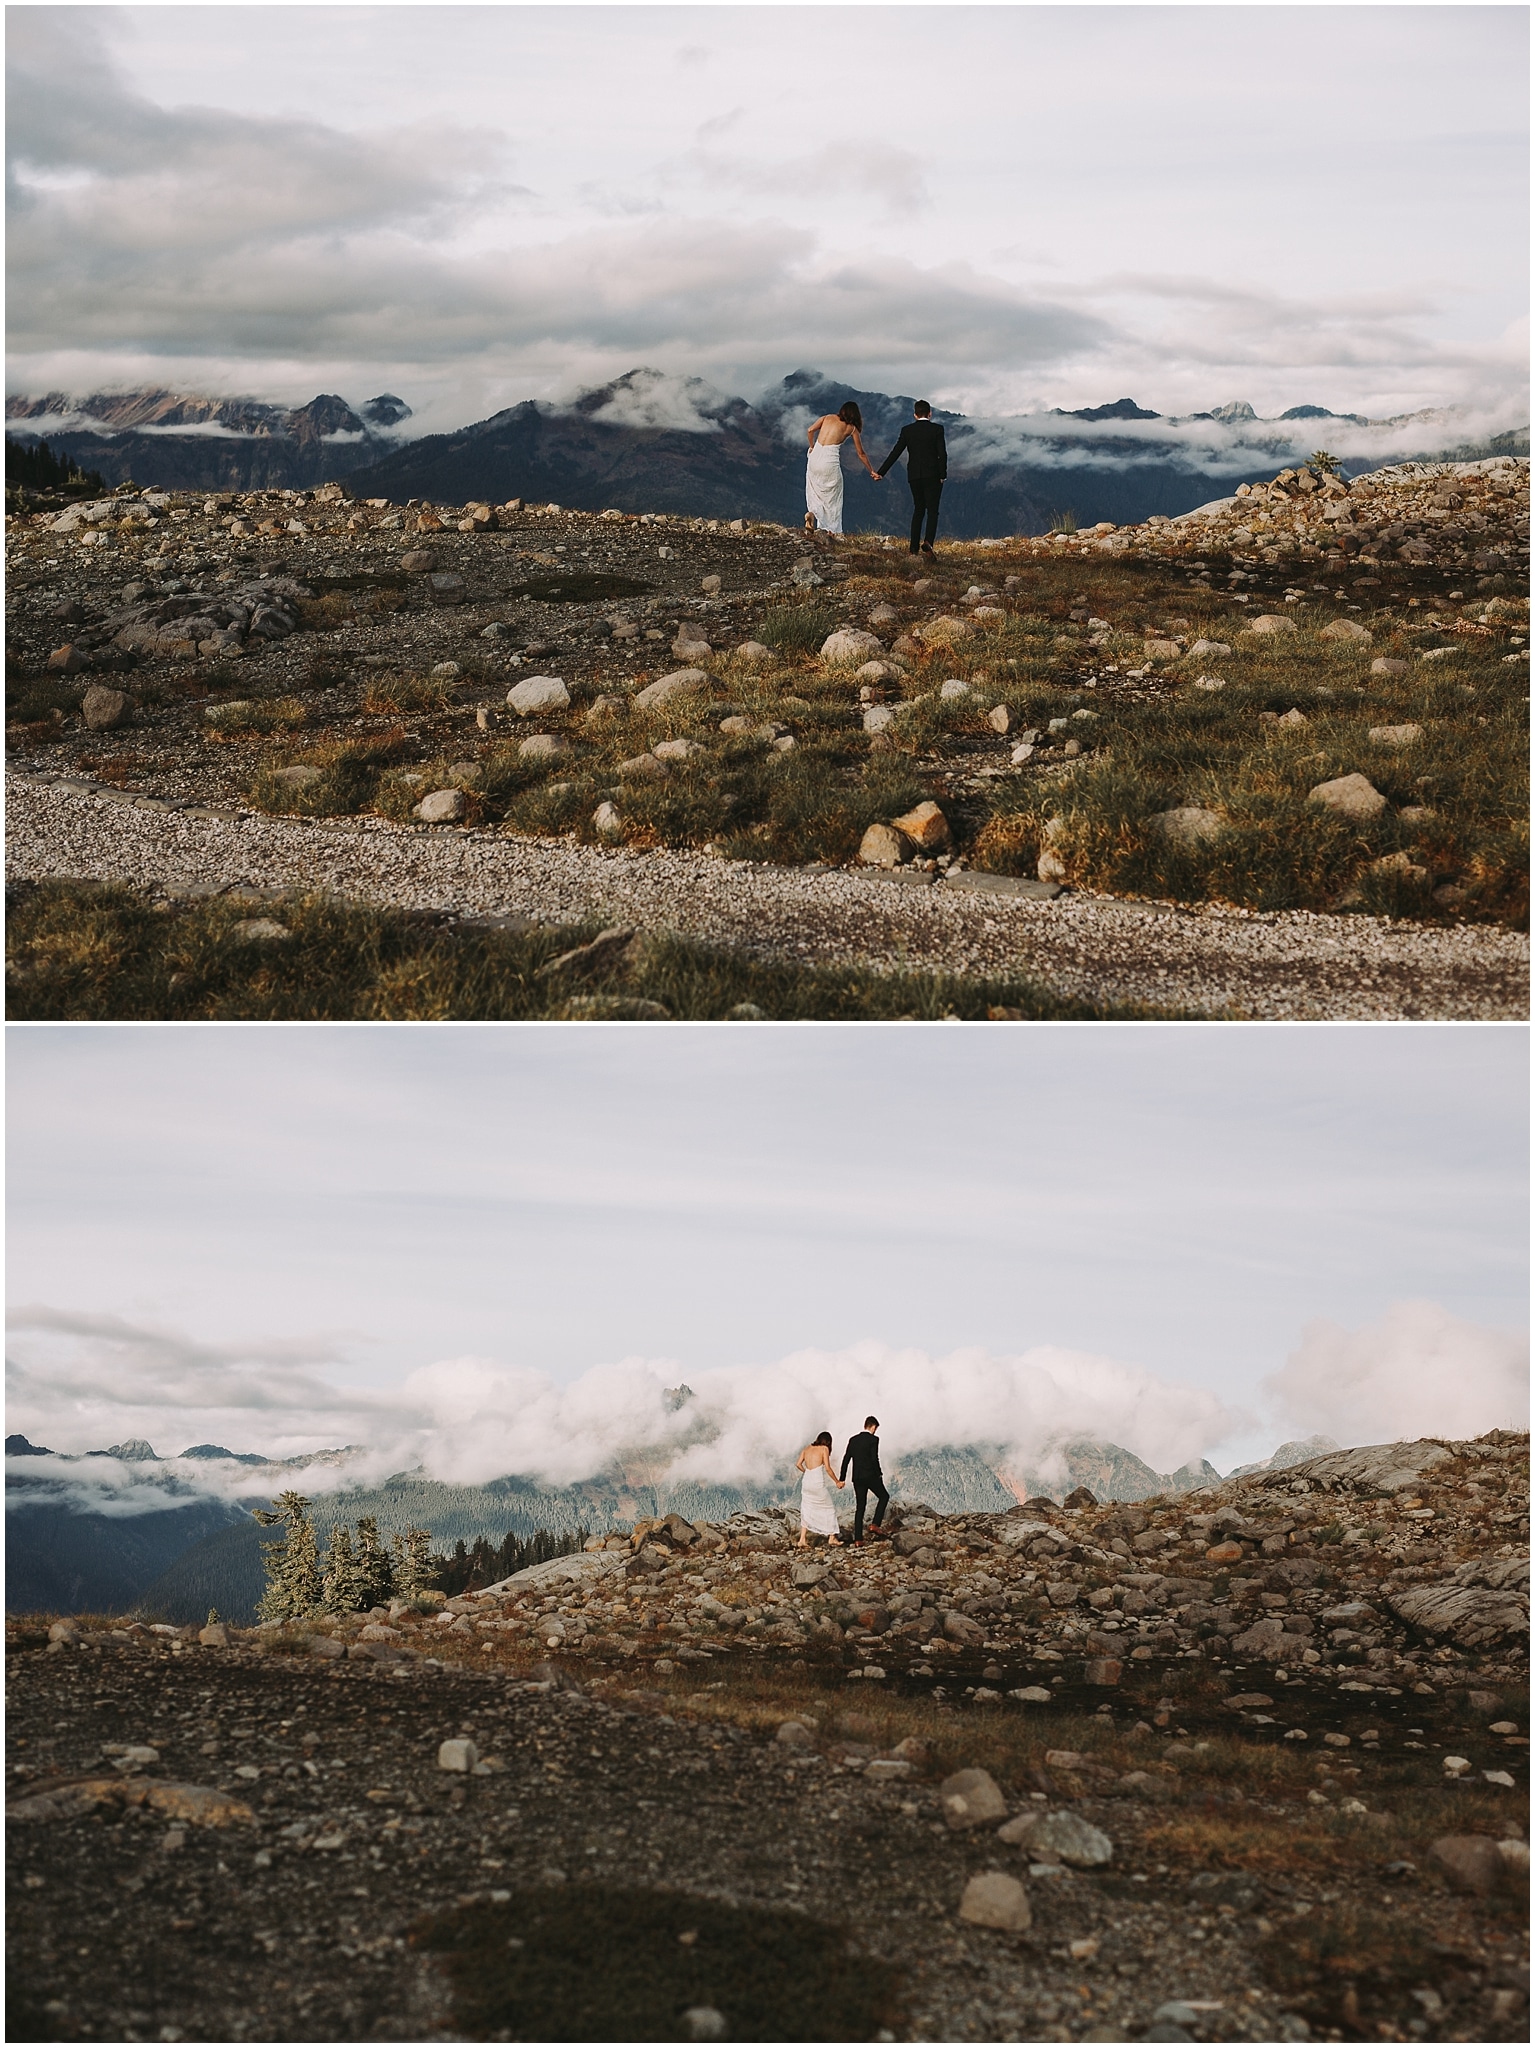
1245	1766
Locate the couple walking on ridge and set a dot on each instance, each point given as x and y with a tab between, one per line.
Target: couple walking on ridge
927	465
817	1510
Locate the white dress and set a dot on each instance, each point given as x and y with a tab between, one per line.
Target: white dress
817	1508
823	487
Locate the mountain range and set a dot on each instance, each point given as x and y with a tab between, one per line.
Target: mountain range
153	1538
649	442
210	444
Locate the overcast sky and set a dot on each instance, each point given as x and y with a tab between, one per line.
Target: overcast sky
281	1237
1008	206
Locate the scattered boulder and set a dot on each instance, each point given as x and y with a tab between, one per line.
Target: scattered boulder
537	693
996	1900
882	846
1346	629
442	807
1395	735
926	827
457	1754
848	646
1061	1834
104	710
1472	1863
1352	796
682	682
971	1799
1483	1602
1187	828
1271	622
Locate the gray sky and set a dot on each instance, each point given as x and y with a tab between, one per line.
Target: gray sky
1010	206
261	1233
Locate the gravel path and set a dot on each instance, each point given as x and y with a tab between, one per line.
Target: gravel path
1208	961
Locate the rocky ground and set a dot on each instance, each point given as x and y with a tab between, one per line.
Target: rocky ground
1246	1765
597	681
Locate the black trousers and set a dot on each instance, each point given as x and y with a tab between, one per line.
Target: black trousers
925	493
862	1488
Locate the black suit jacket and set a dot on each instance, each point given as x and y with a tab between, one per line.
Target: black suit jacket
862	1454
925	449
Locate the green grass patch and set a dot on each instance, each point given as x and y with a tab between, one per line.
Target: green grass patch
1457	794
796	628
78	951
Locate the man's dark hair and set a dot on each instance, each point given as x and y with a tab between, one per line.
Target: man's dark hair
922	409
871	1422
850	416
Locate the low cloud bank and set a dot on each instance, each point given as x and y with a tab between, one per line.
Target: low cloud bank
90	1381
1427	1371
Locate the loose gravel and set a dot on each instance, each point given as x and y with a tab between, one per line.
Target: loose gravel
1209	961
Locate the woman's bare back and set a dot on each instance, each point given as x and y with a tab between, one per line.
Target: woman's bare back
831	432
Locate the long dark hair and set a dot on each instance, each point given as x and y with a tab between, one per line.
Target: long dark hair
850	416
825	1438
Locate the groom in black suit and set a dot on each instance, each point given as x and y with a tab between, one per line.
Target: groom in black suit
927	465
862	1454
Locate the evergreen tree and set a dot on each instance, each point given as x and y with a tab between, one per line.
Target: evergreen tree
454	1575
292	1563
343	1575
375	1570
38	466
413	1563
482	1565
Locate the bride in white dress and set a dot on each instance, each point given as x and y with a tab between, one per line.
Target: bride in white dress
823	466
817	1509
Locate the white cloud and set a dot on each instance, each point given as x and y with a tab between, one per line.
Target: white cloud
1417	1371
90	1381
651	399
274	235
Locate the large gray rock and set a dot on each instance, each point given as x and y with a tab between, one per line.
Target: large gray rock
447	588
537	693
1375	1468
883	847
996	1900
682	682
442	807
1472	1863
1353	796
1064	1834
1187	828
1395	735
972	1799
104	709
1486	1601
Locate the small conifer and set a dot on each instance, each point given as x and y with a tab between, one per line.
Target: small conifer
414	1566
292	1563
374	1568
343	1576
